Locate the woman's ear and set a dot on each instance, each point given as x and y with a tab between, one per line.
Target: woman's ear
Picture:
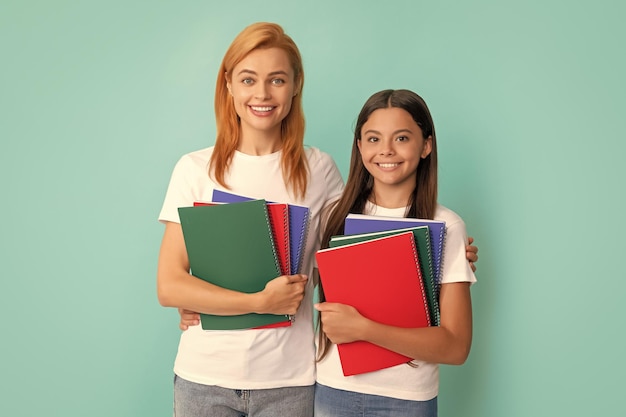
228	83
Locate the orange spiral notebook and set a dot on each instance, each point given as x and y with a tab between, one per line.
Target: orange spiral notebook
382	279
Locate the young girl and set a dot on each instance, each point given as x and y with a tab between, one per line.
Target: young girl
258	153
393	172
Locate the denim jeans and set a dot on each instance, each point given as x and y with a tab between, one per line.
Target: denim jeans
197	400
330	402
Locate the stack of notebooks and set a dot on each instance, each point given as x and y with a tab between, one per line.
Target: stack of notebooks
242	246
389	269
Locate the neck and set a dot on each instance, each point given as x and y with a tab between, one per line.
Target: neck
260	143
391	196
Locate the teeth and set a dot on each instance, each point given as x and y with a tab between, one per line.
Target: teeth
387	165
268	108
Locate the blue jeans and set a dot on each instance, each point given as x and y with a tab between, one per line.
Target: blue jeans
330	402
197	400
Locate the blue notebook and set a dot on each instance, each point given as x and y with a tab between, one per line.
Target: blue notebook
362	223
298	226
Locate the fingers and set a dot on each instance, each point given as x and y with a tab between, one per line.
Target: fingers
471	253
326	306
188	318
292	279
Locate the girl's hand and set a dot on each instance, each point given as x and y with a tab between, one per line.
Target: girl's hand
471	253
188	318
341	323
282	295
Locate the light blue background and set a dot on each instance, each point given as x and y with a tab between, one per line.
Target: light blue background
99	99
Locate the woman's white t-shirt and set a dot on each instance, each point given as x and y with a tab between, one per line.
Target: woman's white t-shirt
253	359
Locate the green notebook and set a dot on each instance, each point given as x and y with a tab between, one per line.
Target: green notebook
231	245
422	239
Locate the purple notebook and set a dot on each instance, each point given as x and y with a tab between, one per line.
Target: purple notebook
298	226
362	223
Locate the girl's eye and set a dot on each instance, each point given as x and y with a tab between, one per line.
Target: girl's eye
402	138
247	81
372	139
278	81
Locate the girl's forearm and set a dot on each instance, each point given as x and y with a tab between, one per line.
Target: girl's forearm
448	343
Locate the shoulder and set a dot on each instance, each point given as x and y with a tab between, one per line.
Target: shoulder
325	178
199	157
318	158
450	217
196	160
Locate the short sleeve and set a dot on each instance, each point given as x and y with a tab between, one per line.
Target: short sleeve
456	267
179	192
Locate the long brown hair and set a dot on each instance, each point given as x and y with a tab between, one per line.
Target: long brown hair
260	35
360	182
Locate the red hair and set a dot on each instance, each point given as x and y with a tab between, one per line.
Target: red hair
260	36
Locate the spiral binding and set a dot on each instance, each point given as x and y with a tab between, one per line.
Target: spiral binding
421	279
304	236
302	243
286	233
435	286
285	242
269	224
441	253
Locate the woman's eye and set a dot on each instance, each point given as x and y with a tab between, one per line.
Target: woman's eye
278	81
247	81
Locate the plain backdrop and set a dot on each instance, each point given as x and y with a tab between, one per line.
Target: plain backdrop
99	99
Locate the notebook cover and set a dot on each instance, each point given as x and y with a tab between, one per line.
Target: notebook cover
298	226
421	235
362	223
279	221
280	232
381	278
231	245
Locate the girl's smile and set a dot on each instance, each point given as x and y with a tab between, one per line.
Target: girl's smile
391	146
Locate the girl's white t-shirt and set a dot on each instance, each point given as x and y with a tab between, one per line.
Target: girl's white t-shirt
403	381
253	359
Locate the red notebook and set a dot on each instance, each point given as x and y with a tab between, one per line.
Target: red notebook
381	278
279	221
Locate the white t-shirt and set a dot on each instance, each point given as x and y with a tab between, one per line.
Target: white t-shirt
253	359
403	381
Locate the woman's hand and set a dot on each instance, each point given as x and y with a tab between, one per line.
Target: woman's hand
471	252
282	295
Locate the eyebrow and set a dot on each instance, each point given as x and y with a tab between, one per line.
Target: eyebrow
247	71
376	132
